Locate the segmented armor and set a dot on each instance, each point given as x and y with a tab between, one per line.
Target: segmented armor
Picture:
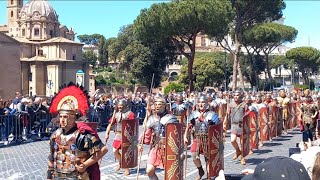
201	122
70	149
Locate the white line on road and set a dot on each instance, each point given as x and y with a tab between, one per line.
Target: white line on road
192	172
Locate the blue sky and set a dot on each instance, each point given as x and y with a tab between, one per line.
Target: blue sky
107	17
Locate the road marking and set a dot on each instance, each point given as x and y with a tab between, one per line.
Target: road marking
192	172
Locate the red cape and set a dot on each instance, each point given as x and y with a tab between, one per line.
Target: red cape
94	169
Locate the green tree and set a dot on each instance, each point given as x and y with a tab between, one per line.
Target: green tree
266	37
173	87
124	38
247	14
307	59
100	80
102	52
208	70
92	39
182	21
90	57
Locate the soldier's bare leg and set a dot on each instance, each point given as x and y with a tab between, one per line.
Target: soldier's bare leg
242	161
197	162
235	146
118	157
150	170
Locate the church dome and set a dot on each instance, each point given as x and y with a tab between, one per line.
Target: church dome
39	9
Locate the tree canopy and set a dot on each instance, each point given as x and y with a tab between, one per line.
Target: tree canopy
307	59
182	21
247	14
92	39
208	69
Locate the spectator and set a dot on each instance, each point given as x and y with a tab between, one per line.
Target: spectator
316	168
307	155
277	167
16	100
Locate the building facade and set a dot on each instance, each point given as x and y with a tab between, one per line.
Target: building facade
49	56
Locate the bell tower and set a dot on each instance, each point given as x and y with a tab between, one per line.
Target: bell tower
13	10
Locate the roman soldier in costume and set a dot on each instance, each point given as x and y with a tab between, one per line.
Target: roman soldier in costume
283	101
155	136
237	109
75	147
122	113
200	120
179	109
309	113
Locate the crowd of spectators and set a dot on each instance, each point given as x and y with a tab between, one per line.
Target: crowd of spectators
25	116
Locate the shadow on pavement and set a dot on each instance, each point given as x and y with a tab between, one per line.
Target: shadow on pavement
264	151
283	139
270	144
254	161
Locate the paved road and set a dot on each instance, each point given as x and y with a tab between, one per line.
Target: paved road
29	160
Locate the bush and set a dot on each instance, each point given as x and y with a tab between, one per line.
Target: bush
100	80
173	87
109	69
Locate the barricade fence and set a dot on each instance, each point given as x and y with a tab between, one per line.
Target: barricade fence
23	126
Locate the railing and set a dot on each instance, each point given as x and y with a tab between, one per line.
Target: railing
21	127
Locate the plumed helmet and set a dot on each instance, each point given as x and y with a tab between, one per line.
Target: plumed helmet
71	99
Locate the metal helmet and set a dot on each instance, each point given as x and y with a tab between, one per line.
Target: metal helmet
203	102
160	104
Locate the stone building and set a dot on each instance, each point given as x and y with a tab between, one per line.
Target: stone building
49	56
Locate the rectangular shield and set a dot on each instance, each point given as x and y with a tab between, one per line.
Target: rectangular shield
264	124
129	144
254	139
273	119
280	122
245	136
318	128
215	149
298	113
173	151
222	111
289	116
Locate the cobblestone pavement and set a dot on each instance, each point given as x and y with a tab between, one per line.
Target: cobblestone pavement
29	160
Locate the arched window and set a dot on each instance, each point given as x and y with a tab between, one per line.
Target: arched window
11	13
11	2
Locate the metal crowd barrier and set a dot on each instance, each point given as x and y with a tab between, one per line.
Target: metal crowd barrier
21	127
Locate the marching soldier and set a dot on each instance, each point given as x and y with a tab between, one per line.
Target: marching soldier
155	136
309	114
75	148
236	111
200	120
283	101
123	113
179	109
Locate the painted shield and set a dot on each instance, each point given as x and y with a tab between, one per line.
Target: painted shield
173	151
222	111
298	113
264	124
280	122
289	116
273	119
254	140
318	127
245	135
216	147
293	115
129	144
